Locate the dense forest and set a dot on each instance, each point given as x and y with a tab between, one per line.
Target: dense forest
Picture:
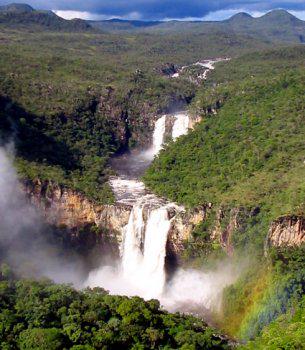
44	316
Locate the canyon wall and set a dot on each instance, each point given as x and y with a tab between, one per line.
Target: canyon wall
63	207
287	231
66	208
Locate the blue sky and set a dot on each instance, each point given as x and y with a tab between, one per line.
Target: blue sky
163	9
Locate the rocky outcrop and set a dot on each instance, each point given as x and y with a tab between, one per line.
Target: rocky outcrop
63	207
194	119
181	229
287	231
167	69
229	221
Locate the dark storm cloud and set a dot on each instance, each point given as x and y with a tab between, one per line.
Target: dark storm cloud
159	9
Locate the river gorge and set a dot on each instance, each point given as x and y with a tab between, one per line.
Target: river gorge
147	239
146	233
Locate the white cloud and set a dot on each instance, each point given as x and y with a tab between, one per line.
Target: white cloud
299	14
221	14
94	16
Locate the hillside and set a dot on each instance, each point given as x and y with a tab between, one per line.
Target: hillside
237	157
24	16
77	98
116	24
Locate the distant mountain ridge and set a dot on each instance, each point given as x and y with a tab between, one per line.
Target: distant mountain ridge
276	25
16	8
23	15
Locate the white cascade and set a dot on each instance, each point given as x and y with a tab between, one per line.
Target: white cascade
143	249
132	241
181	125
158	135
143	256
156	234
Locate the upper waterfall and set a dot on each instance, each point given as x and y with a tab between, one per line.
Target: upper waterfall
159	134
181	125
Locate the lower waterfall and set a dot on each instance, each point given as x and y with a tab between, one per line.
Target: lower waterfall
157	229
141	269
143	250
132	257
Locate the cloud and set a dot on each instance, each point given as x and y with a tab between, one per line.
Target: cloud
161	9
94	16
299	14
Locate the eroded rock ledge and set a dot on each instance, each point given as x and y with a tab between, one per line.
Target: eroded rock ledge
63	207
287	231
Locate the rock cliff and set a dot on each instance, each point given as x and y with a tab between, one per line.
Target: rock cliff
72	211
63	207
287	231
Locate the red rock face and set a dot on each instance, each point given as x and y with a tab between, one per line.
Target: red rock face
287	231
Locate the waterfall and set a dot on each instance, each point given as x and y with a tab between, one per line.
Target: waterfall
144	250
141	267
180	126
141	270
132	241
158	136
157	229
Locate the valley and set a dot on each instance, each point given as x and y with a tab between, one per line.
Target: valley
152	189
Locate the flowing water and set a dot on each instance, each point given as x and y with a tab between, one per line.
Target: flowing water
141	269
207	66
143	248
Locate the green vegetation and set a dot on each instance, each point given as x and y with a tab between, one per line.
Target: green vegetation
250	154
286	332
72	99
41	315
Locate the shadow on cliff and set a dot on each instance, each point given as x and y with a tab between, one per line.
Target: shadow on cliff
31	137
27	242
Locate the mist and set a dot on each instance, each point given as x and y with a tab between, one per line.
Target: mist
199	291
196	291
24	237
